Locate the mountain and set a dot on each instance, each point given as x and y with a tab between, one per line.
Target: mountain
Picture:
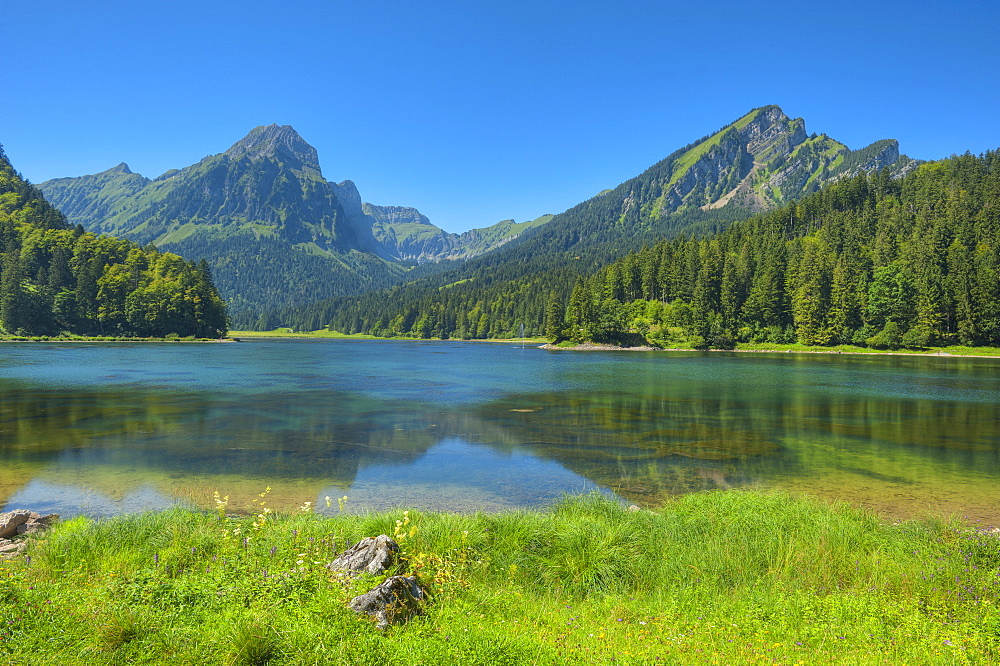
57	279
869	261
760	161
403	234
283	240
273	230
415	239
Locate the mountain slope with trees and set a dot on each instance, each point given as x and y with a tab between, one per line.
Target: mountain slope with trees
274	231
871	261
56	278
757	162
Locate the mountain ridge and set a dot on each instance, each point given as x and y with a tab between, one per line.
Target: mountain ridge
758	162
266	192
267	189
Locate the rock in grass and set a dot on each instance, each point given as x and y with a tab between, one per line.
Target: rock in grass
10	521
22	521
393	601
10	548
373	555
17	523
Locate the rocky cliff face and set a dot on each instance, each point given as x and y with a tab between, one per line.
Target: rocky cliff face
404	234
766	159
280	143
268	183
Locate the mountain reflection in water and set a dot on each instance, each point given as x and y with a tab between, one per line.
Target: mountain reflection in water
108	428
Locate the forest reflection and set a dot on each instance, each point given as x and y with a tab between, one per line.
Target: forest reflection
657	439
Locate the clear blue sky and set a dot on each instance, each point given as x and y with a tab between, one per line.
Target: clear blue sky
477	112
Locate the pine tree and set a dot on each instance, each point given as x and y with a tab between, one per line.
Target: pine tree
555	318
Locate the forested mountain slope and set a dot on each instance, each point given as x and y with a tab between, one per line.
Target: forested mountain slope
56	278
757	162
273	230
870	261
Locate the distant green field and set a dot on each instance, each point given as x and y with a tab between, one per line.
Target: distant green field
323	333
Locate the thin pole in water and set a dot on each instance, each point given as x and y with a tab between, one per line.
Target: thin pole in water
522	335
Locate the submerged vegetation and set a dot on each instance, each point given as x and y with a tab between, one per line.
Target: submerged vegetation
726	577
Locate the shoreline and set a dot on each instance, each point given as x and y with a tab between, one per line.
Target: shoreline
239	336
93	340
590	346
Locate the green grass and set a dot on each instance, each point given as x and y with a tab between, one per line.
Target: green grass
289	333
723	577
455	284
68	337
680	344
954	350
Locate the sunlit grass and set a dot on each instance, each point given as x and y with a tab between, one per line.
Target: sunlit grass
954	350
336	335
723	577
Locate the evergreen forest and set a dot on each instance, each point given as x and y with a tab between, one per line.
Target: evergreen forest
870	260
57	279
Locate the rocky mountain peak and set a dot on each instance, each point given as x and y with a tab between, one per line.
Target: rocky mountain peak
765	159
279	142
120	168
770	133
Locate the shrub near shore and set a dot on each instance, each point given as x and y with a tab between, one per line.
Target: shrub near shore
723	577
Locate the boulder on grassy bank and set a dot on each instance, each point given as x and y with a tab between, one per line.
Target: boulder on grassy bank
393	601
20	523
372	555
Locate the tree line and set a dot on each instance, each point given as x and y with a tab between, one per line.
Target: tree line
871	260
58	279
490	296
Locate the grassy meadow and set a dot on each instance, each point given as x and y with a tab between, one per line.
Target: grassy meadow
720	577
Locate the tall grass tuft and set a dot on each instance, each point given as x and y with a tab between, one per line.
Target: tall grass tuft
253	643
123	625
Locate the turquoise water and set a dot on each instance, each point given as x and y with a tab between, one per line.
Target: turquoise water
105	428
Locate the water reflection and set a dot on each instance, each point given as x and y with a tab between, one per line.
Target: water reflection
105	429
115	440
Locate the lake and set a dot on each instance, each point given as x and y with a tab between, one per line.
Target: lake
105	428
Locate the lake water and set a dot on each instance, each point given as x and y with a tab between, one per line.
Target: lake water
106	428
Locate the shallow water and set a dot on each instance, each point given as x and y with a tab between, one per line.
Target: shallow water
105	428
